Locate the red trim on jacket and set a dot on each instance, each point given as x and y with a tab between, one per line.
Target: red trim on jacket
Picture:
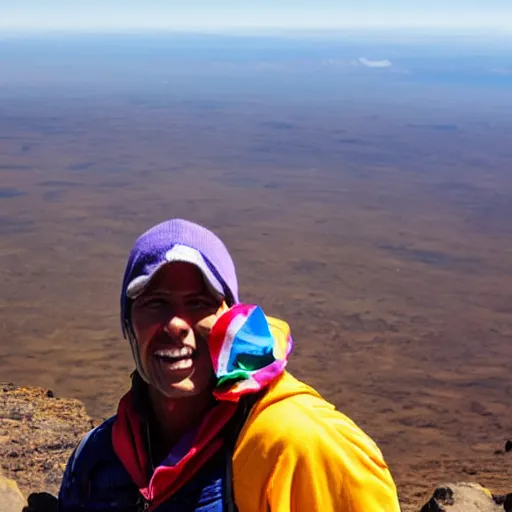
129	446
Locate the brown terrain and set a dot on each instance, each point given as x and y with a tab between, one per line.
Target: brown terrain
383	235
38	432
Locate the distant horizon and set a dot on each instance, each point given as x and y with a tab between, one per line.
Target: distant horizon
245	15
419	32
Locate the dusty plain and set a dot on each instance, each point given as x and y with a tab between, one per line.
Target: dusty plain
382	233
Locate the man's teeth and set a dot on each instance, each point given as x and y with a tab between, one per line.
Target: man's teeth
174	353
176	358
180	364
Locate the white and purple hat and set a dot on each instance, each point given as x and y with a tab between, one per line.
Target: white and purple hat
170	241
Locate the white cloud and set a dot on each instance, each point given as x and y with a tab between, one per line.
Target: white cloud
368	63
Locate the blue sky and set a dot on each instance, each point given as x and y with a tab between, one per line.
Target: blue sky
238	14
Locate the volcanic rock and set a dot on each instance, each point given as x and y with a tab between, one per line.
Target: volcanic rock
38	432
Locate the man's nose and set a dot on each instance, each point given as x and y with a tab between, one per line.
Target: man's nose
177	328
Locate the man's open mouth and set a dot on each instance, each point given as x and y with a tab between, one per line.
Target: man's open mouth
175	358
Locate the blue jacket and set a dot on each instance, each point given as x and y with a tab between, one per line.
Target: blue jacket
96	481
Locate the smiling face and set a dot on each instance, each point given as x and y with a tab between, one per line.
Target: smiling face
172	320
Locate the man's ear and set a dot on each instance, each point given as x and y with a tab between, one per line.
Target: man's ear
205	325
223	308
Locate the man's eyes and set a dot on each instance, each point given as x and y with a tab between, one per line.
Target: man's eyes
192	303
155	303
199	303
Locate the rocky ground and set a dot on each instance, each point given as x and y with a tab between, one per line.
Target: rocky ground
37	435
38	432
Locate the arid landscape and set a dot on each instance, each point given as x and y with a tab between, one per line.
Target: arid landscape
379	227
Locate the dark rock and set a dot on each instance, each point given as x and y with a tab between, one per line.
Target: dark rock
499	500
41	502
431	506
444	495
508	445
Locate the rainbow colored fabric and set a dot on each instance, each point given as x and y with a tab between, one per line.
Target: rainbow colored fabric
248	351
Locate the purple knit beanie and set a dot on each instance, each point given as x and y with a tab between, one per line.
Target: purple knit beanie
175	240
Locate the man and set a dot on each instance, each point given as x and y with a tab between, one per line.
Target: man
213	422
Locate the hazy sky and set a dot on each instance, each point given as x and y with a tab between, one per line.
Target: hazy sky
222	14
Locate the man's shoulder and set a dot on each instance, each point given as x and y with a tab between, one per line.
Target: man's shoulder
305	421
95	473
299	418
287	412
100	433
297	446
97	443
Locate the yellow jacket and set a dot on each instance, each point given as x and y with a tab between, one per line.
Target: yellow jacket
297	453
